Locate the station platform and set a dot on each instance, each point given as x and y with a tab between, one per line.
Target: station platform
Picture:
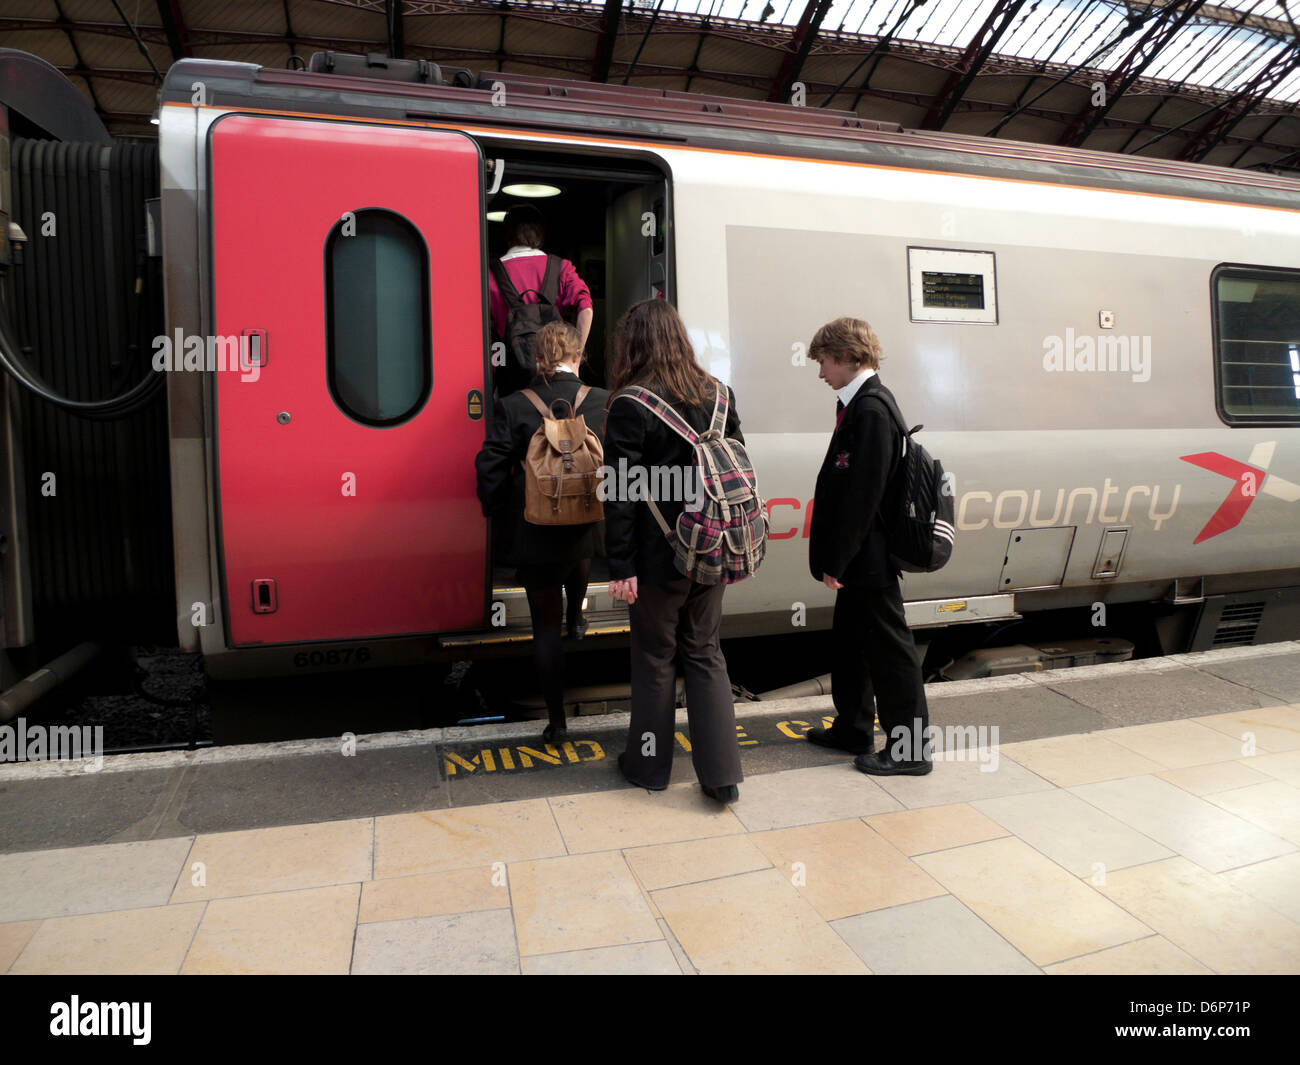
1138	818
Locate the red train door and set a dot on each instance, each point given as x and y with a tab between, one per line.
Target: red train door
348	260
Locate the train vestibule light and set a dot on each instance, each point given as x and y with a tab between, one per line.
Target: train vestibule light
496	216
530	190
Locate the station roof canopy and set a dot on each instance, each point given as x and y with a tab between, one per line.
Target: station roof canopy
1216	82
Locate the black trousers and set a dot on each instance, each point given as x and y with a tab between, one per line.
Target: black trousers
876	671
673	622
544	586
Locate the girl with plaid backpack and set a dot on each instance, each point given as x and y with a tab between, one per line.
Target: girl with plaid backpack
663	405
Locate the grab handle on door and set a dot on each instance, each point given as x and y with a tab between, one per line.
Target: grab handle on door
252	349
264	597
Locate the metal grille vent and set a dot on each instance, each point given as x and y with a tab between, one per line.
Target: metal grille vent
1238	624
87	303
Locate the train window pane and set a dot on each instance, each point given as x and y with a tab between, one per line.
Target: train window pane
1257	315
377	317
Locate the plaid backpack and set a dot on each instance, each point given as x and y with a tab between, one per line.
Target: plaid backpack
722	540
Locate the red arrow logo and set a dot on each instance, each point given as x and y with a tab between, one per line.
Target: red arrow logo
1248	480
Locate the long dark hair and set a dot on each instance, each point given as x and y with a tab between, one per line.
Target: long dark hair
651	349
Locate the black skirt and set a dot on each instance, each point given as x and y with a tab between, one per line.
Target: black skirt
546	574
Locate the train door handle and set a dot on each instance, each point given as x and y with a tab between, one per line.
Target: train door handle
264	596
253	348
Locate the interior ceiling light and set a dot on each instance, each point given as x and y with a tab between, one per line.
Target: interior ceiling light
496	216
531	191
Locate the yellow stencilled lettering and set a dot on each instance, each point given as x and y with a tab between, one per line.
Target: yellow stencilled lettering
828	721
784	727
527	754
682	740
569	752
489	763
741	741
506	761
452	760
597	752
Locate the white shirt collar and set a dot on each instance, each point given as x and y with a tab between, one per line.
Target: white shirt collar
565	369
845	395
520	250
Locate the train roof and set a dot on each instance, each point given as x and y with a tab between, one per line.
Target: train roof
664	118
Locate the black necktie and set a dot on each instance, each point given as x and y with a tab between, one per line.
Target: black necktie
839	412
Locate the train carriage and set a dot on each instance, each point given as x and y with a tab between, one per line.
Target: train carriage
1102	350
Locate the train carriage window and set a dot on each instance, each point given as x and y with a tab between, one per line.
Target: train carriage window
377	329
1257	344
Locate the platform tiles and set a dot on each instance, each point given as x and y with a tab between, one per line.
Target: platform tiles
1167	847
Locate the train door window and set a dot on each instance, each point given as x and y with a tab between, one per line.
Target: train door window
377	326
1257	345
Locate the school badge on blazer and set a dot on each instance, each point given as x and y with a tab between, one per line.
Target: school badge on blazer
842	460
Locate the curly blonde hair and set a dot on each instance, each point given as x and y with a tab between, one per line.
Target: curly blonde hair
848	340
556	342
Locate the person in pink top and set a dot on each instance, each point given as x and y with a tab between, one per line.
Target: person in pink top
525	264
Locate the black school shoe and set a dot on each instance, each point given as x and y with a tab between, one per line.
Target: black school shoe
637	783
725	793
880	764
825	737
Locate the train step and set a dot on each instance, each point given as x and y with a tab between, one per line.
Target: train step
605	617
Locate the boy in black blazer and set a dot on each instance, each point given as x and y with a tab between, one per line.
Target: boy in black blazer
875	667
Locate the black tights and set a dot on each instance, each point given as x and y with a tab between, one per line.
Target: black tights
545	607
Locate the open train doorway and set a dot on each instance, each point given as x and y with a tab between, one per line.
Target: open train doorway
610	217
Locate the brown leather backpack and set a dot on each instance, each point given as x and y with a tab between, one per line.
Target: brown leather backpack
560	469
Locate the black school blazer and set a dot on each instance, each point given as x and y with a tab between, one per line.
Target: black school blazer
847	539
499	465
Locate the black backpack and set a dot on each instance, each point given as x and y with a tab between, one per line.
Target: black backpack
525	320
919	526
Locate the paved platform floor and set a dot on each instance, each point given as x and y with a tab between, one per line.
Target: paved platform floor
1139	834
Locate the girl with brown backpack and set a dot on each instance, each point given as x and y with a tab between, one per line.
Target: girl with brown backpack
538	509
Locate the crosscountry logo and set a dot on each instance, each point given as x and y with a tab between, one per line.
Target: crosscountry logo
1251	477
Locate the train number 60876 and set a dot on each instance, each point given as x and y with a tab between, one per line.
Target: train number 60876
340	656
